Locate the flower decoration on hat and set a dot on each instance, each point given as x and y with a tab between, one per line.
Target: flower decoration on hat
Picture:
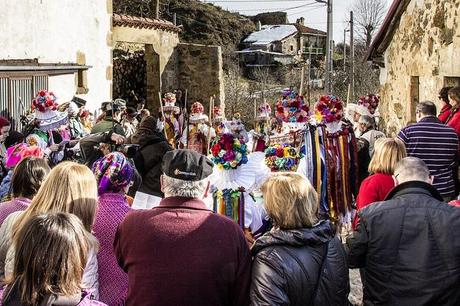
44	101
228	152
197	113
46	111
282	158
292	108
329	109
371	102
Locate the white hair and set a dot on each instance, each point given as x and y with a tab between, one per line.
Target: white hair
412	169
173	187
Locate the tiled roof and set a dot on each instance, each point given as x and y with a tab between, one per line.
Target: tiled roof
144	23
306	30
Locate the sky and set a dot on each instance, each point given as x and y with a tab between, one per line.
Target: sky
313	12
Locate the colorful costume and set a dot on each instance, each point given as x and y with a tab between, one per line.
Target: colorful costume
261	133
218	120
238	129
196	136
170	119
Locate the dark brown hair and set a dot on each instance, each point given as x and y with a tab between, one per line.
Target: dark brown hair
444	94
51	254
28	176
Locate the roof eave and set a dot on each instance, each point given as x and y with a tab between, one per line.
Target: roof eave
387	30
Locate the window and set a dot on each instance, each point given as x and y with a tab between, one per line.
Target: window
82	82
451	81
16	93
292	48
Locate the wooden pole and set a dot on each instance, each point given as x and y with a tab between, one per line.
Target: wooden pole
211	107
163	115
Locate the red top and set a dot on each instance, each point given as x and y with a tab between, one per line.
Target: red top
373	189
454	120
445	112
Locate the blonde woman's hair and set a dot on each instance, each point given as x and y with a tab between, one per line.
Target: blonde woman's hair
70	188
51	254
290	200
388	152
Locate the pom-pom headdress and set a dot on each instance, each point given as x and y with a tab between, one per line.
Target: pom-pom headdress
292	108
169	103
45	107
264	112
236	125
371	102
282	158
228	152
218	114
196	113
329	111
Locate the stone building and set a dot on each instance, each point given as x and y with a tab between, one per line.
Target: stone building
67	47
418	53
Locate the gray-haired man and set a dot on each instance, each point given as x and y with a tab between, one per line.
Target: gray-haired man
180	253
408	245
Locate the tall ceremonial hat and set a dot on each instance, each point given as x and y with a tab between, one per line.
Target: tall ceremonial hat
218	114
197	113
46	111
169	103
264	112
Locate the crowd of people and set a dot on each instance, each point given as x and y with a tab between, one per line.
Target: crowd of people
115	210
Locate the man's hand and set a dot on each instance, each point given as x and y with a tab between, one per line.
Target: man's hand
118	139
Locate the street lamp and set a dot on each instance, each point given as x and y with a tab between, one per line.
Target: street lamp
329	46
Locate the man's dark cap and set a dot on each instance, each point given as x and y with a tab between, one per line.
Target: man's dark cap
79	101
186	165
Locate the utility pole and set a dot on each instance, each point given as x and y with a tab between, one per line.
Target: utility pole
352	56
309	76
344	49
329	46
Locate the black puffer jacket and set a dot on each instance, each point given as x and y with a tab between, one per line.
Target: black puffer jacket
409	247
153	146
287	266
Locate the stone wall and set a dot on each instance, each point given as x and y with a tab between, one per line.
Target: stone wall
159	48
197	69
425	45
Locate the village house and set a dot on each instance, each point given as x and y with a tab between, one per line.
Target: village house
67	47
418	53
283	44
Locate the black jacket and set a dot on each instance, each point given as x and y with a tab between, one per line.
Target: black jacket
409	246
153	146
287	266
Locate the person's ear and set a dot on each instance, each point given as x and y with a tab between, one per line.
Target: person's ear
431	180
395	180
161	184
207	189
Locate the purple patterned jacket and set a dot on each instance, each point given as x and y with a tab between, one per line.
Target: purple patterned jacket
113	281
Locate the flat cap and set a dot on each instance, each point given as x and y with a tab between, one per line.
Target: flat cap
186	165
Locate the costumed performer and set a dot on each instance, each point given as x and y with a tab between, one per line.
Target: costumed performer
198	130
169	119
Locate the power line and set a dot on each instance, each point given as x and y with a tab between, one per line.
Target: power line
281	9
252	1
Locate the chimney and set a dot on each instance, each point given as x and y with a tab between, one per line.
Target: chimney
259	25
301	21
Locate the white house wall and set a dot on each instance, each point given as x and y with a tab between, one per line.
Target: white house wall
55	31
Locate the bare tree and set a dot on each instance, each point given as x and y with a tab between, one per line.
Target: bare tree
369	16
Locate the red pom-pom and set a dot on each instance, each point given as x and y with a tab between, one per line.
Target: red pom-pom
42	93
